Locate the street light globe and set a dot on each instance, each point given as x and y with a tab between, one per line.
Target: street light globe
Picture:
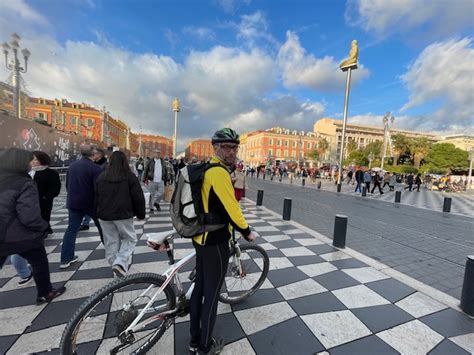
26	53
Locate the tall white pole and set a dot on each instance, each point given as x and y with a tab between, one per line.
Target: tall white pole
175	140
344	123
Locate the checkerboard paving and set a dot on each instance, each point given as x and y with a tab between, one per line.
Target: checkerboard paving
316	300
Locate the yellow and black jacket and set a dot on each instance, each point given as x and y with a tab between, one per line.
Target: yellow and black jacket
218	199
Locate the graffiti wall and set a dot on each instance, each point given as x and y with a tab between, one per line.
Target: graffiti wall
63	147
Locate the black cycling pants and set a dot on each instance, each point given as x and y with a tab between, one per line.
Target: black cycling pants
211	267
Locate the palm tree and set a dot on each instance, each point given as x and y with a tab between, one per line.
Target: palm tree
323	146
400	146
419	147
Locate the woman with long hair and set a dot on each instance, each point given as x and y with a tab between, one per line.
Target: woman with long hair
119	197
48	182
22	229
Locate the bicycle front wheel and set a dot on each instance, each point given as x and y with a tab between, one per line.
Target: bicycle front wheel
97	324
245	274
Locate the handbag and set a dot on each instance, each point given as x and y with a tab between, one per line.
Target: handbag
168	195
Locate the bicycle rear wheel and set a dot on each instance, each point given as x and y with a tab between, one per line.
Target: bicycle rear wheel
242	282
96	325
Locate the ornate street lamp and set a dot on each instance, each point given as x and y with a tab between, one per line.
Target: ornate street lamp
388	117
371	157
16	68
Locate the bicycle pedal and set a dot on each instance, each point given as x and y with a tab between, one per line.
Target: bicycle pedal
192	275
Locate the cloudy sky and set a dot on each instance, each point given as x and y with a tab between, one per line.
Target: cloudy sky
251	64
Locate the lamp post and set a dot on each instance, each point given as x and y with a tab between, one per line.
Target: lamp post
16	68
388	116
176	109
371	157
347	65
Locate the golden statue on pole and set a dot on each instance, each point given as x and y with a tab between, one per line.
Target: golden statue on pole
351	62
176	105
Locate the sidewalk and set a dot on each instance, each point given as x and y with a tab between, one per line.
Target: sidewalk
317	299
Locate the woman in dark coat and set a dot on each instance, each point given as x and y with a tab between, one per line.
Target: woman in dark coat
48	182
118	198
22	229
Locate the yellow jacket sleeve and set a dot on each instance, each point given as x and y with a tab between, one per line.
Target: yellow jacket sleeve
222	185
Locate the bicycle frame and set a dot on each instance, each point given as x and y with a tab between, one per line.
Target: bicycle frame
171	275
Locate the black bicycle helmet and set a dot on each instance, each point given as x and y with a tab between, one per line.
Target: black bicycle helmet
225	135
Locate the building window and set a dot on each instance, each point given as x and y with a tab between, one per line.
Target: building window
293	154
74	120
90	123
286	153
41	115
309	145
279	142
294	144
270	141
286	143
278	153
270	152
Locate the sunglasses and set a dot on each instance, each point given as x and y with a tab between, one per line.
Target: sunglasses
228	147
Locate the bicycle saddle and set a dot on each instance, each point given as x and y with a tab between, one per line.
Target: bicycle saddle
155	239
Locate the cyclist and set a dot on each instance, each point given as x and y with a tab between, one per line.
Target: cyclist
212	248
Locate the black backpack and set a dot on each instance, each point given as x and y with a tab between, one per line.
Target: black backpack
187	209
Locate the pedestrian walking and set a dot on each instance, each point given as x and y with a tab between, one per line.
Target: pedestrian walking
155	176
80	181
377	181
23	270
367	180
212	248
98	157
409	182
48	183
386	179
418	182
239	181
359	177
22	228
139	165
118	198
392	182
349	177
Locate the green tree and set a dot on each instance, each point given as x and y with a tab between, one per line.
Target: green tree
313	155
357	157
419	147
400	146
351	146
375	148
446	157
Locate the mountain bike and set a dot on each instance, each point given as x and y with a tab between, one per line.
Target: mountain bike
131	314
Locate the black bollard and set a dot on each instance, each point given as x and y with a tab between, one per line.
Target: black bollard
447	204
303	182
264	176
319	184
271	177
398	196
287	209
340	230
467	294
259	197
364	191
280	178
339	186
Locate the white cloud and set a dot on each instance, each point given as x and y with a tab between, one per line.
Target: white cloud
20	8
444	72
300	69
386	17
229	6
202	33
